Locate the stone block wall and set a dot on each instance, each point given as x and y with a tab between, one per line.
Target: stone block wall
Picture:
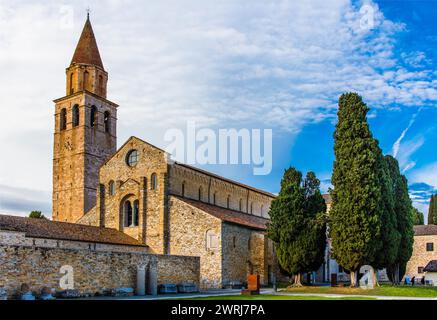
188	237
93	271
421	257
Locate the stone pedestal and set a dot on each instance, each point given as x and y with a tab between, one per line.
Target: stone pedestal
152	279
141	281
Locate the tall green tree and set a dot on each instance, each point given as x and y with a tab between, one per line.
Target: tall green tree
297	224
418	218
390	235
404	217
287	223
355	224
315	214
37	215
432	211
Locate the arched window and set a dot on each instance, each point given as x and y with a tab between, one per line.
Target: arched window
234	241
75	115
111	188
101	85
200	193
127	210
107	121
228	201
240	206
154	182
85	80
251	208
211	240
63	120
183	189
136	215
71	83
93	118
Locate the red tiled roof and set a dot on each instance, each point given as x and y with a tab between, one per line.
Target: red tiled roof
87	51
425	230
47	229
227	215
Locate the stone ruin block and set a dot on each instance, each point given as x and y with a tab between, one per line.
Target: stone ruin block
168	288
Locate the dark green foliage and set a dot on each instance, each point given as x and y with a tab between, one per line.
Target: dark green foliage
297	224
418	218
36	215
355	217
432	211
390	235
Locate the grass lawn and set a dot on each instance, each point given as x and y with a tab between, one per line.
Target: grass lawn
276	297
384	290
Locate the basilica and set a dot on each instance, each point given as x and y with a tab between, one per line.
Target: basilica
170	207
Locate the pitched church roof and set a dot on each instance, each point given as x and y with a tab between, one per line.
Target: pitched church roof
87	51
244	219
47	229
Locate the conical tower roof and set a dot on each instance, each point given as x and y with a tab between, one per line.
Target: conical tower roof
87	51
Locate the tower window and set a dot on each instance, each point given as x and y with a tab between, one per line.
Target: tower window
85	80
106	120
71	83
111	188
132	158
75	115
93	118
63	120
154	182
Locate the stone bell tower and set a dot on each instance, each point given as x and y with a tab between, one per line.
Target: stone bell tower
85	131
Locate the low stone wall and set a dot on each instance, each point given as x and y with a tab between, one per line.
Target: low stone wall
94	272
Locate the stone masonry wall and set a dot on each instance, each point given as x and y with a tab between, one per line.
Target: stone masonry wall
188	237
420	256
240	198
93	271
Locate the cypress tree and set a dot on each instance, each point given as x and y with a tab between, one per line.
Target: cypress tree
418	218
432	211
315	214
297	224
356	198
287	223
404	215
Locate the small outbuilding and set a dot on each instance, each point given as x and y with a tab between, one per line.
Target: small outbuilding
431	273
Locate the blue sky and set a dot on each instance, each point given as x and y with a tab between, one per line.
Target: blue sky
229	64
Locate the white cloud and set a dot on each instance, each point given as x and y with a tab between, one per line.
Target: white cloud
397	143
426	174
228	63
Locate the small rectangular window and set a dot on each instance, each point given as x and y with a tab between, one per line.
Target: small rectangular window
430	246
420	270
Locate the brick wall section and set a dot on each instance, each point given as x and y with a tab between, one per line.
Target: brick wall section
94	271
420	256
188	228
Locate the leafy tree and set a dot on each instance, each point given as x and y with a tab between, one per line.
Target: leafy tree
355	216
432	211
418	218
297	225
404	215
36	215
